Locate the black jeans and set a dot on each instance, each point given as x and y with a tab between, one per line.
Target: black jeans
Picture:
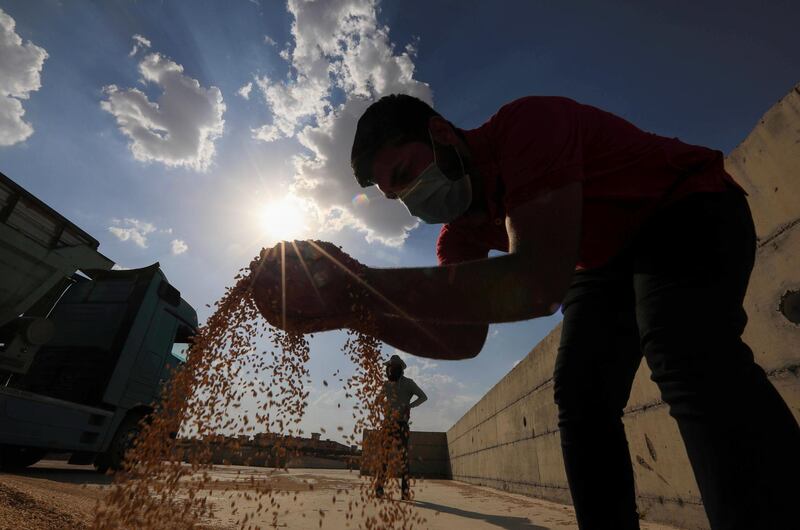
675	295
396	440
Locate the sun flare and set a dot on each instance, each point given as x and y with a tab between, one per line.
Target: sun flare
286	218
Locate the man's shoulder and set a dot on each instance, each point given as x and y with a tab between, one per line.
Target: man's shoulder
407	381
532	104
529	119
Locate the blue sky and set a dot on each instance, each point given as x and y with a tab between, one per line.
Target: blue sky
187	183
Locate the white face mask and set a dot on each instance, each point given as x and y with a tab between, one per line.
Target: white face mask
434	198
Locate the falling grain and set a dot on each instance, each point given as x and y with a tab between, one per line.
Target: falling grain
165	481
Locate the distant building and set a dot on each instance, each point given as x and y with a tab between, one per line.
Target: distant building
273	450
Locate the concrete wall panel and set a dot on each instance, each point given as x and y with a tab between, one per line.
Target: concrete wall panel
658	457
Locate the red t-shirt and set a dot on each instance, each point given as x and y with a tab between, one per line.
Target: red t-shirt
538	144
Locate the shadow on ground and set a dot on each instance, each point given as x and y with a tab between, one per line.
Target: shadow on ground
501	521
66	476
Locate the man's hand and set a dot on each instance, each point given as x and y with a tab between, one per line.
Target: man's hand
308	286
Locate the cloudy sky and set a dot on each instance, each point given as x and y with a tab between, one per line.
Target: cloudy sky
193	133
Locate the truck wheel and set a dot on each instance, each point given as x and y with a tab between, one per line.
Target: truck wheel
127	431
14	458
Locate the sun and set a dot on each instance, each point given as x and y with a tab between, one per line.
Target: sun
286	218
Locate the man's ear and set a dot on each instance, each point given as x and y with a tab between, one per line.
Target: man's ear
442	131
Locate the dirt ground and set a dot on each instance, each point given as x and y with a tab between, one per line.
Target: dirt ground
51	495
54	495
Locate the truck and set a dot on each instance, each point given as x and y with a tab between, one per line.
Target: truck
85	348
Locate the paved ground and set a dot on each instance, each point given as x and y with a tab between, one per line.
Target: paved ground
55	495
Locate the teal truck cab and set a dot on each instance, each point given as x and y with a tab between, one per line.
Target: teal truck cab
84	349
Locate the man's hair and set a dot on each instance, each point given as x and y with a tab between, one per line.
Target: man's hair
392	120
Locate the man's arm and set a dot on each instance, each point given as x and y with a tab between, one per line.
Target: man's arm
443	312
421	397
434	340
529	282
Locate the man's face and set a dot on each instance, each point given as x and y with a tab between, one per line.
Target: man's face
394	167
393	372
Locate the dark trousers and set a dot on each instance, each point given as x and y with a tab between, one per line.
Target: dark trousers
675	295
395	439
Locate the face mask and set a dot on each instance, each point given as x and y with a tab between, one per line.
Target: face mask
434	198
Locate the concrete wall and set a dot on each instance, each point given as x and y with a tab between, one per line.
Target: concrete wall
509	439
318	462
427	454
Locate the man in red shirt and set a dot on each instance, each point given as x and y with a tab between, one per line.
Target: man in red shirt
645	243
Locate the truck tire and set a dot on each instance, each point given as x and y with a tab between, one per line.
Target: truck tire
114	456
14	458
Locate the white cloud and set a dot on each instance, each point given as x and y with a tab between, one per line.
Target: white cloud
428	379
177	130
179	246
448	398
245	90
20	74
326	397
139	42
139	232
421	362
426	364
338	44
118	267
267	133
269	40
132	230
445	406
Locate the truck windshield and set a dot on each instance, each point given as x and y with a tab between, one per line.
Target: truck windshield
183	338
179	351
182	342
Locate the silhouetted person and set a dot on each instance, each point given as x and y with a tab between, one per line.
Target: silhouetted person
645	242
398	392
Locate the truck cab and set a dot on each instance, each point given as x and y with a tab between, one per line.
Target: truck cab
84	351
